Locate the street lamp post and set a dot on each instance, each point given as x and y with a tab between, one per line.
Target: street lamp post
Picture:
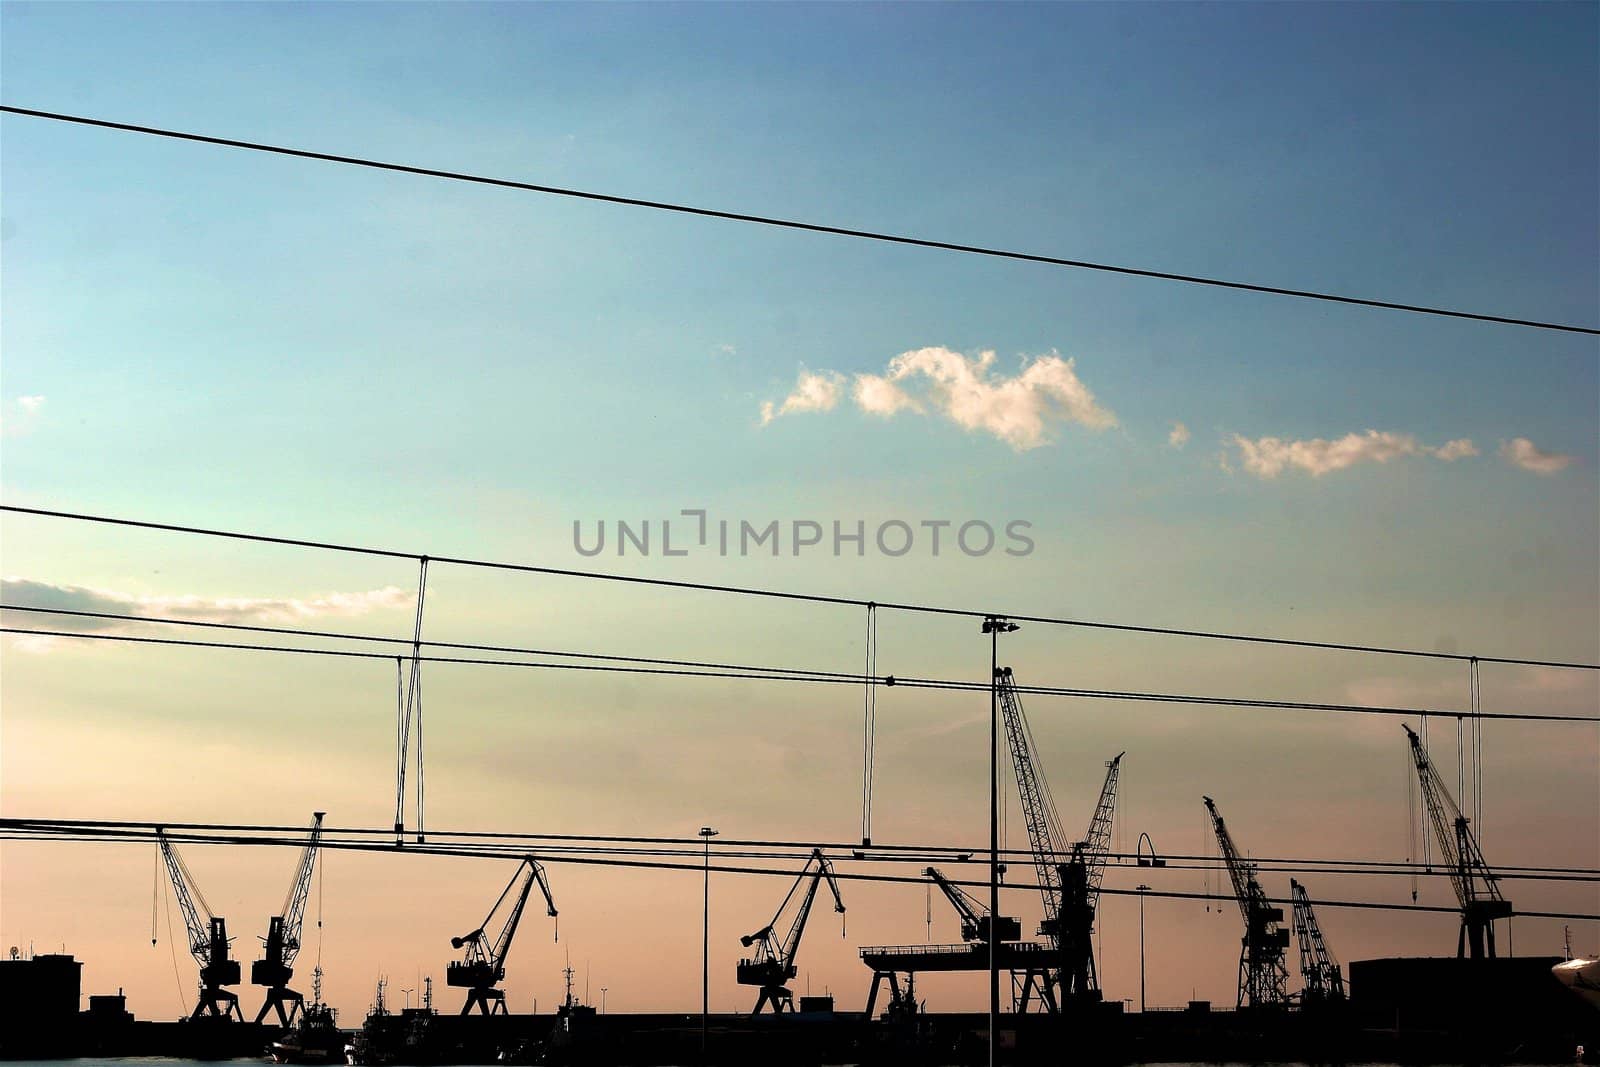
994	626
705	946
602	1000
1143	889
408	993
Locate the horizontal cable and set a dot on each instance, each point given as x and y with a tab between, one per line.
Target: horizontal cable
793	224
799	850
813	598
779	675
720	868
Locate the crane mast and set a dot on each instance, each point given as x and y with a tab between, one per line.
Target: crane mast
208	939
1319	971
975	921
774	961
484	963
1263	975
1476	887
282	943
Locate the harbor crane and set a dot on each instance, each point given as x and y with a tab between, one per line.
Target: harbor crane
1477	888
1071	889
1080	885
773	962
975	921
282	943
1323	982
1263	976
208	939
484	964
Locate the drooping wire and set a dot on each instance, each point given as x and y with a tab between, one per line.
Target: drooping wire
869	717
1411	822
172	945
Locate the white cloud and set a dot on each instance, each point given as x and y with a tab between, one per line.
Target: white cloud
1019	410
726	350
877	395
1267	457
1179	435
30	404
245	610
1521	452
812	392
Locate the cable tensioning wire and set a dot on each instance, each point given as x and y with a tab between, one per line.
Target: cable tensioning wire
813	598
950	685
436	850
793	224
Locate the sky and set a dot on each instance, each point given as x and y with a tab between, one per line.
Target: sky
216	338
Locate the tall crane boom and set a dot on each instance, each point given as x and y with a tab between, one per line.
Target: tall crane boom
208	938
774	961
1263	975
1476	886
1323	981
282	943
1045	835
484	963
975	922
1096	843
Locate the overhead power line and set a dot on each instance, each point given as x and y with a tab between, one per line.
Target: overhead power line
692	846
779	675
792	224
778	594
148	833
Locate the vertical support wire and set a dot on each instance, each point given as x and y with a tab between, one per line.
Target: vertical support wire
869	716
1477	750
414	687
401	734
409	695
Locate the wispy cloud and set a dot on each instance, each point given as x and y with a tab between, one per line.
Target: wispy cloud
1179	435
20	415
246	610
812	392
1521	452
1020	410
1268	457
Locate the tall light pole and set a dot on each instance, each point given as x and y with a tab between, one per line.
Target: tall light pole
602	1000
705	947
994	626
1143	889
408	993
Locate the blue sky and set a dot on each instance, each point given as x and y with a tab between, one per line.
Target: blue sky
226	339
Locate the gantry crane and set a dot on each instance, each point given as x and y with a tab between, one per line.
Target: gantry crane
1476	886
975	921
208	939
773	963
485	962
282	943
1263	975
1323	982
1069	889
